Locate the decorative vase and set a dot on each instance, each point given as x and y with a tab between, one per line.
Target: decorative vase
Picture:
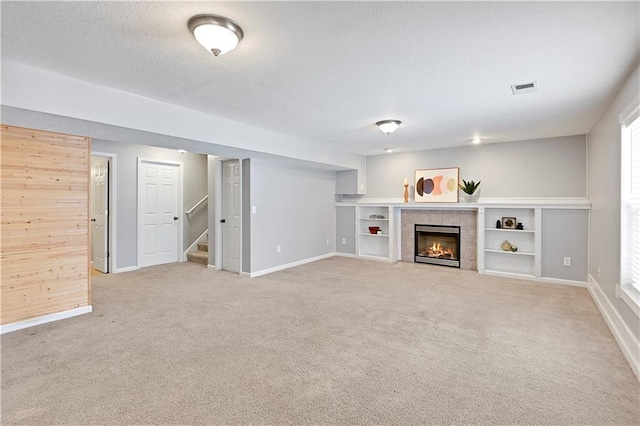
469	198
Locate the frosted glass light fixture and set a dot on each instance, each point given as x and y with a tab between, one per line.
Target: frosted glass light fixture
217	34
388	126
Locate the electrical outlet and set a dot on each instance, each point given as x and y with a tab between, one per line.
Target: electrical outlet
598	272
618	291
362	187
567	261
344	241
278	249
327	241
253	209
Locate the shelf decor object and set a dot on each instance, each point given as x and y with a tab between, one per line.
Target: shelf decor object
509	223
437	185
470	190
406	190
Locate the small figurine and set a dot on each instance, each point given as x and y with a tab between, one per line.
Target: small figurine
498	224
519	226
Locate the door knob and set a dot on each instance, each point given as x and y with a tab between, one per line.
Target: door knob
175	218
93	220
222	221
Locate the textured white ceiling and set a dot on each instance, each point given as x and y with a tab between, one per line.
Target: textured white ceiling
326	71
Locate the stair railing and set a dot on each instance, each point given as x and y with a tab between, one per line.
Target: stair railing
192	209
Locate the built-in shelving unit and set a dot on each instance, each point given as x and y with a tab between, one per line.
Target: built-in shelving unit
542	250
370	245
493	259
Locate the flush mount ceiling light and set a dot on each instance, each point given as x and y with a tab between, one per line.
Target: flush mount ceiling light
388	150
217	34
388	126
476	141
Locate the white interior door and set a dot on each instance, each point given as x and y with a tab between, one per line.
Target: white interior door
231	215
159	224
99	213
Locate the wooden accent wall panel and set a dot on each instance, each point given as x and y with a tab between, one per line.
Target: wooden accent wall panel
44	245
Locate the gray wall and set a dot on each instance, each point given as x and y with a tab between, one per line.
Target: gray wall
346	228
565	233
195	187
346	182
604	194
294	209
553	167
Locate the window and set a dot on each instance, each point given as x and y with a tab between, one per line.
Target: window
630	209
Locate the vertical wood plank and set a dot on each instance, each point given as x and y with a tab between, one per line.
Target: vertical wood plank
44	227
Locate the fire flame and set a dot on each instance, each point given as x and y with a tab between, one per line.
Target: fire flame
436	250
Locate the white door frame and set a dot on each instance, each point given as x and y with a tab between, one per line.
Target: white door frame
218	215
180	213
111	233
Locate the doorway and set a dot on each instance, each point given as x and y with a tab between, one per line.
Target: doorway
160	214
102	212
231	219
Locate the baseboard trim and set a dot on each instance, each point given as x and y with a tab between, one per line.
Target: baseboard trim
560	281
628	343
127	269
290	265
351	255
8	328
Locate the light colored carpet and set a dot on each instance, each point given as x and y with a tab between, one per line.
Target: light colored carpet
340	341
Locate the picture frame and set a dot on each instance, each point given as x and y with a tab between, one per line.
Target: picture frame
437	185
509	223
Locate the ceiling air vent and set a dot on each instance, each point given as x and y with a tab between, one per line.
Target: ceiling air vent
519	89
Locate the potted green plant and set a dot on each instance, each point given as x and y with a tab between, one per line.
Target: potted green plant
469	188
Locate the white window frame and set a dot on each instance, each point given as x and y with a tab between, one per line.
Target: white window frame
628	293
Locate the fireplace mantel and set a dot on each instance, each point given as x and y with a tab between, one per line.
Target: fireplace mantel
507	202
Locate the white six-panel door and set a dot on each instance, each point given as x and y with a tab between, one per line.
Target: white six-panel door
231	215
99	212
159	215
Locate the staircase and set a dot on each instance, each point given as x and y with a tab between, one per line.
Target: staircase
201	256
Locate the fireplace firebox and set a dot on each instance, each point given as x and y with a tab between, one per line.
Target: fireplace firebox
437	245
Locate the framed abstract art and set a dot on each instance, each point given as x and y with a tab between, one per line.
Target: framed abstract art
437	185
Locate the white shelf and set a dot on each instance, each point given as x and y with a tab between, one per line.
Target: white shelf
509	274
521	253
510	230
374	246
373	257
525	262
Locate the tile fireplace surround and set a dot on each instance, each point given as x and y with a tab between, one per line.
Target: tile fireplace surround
465	219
